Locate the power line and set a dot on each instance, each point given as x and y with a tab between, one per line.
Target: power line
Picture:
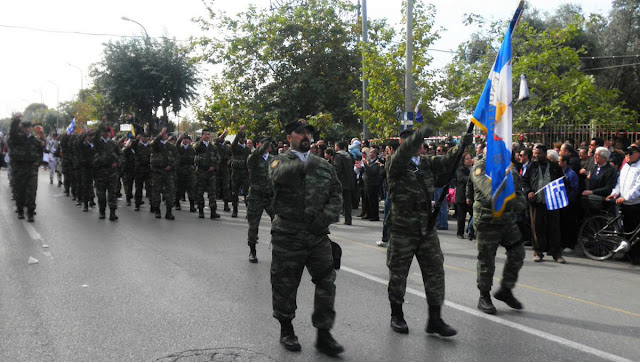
611	57
618	66
79	33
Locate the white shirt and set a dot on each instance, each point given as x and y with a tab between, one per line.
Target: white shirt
301	155
628	185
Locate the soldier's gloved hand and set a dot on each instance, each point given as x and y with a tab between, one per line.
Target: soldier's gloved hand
467	139
318	226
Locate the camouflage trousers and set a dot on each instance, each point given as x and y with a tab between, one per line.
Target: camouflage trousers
224	184
128	179
143	179
490	236
25	185
86	185
185	182
290	254
163	185
76	183
256	204
107	181
239	181
67	173
400	252
206	182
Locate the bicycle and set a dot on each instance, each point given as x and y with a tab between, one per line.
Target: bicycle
601	236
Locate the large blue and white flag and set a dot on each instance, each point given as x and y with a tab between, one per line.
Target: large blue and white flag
555	194
72	127
493	116
418	110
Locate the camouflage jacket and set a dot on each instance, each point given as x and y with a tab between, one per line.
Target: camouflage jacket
23	149
85	152
307	196
259	182
482	212
207	156
411	186
239	154
107	152
128	159
186	157
142	155
163	155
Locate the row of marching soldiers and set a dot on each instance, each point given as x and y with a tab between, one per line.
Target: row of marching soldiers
165	168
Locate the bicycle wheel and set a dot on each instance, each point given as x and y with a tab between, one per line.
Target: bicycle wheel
597	241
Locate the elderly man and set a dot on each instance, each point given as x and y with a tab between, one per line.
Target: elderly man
627	195
603	177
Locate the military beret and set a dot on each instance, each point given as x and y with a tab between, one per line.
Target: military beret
406	133
298	126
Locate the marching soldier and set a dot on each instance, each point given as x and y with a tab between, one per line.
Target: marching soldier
25	153
185	181
207	161
239	172
493	232
224	186
260	191
66	154
142	151
163	164
85	152
128	170
307	199
107	173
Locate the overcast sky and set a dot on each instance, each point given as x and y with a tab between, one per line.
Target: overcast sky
35	65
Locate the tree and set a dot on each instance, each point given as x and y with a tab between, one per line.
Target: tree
144	76
281	65
384	69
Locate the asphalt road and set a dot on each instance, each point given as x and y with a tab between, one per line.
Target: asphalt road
146	289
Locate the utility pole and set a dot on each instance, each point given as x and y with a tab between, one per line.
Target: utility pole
408	79
365	95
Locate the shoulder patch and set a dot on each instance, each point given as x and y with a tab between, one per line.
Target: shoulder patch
478	171
275	163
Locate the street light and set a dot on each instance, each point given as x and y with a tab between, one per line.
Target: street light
81	81
57	101
133	21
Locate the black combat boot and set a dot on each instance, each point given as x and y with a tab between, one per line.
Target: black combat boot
226	207
102	213
326	344
200	212
252	254
137	208
178	207
484	304
287	337
86	207
92	203
214	215
30	213
436	325
168	215
398	324
192	207
507	296
112	215
128	202
20	212
78	202
157	212
234	214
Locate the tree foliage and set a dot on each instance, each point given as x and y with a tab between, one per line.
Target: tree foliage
280	65
144	75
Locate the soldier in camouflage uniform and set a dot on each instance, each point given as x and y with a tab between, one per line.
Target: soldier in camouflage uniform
207	162
128	170
260	191
85	149
66	154
410	178
495	231
163	165
307	199
142	150
76	186
224	174
25	153
185	180
239	172
106	163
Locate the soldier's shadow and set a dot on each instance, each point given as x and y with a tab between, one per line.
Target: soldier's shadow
624	331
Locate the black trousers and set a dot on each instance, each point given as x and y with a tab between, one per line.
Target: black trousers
631	219
463	209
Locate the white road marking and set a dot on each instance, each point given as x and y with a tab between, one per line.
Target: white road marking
495	319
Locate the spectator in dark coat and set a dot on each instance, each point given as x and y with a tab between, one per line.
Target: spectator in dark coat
372	177
343	162
462	177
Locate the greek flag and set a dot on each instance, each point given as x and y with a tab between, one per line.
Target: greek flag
493	116
72	127
555	195
418	111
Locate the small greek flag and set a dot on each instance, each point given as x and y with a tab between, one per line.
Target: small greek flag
555	195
